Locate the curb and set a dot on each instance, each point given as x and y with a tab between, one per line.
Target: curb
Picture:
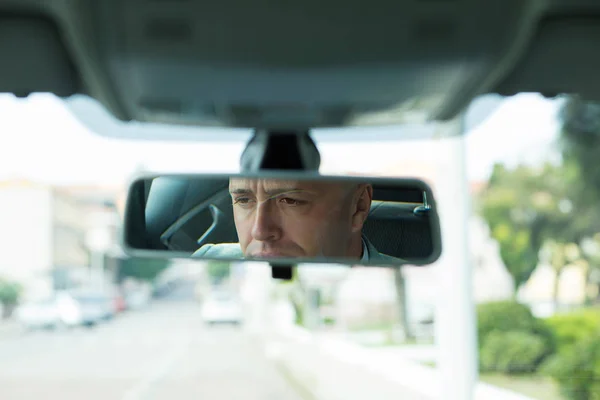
301	388
421	383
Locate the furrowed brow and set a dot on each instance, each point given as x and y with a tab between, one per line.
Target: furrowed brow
240	191
278	192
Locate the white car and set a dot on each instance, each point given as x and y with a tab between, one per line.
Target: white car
222	307
38	314
84	308
137	298
65	309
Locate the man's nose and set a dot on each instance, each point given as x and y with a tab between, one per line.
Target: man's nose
266	224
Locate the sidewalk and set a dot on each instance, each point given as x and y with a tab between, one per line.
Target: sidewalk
331	368
9	328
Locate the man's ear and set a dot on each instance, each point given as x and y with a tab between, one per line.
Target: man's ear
362	206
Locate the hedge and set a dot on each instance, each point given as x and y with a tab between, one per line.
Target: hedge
514	352
511	339
574	327
577	371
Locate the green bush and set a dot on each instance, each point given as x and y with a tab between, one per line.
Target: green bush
505	323
577	371
574	327
510	316
503	316
514	352
541	329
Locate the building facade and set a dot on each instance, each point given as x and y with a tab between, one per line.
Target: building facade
43	235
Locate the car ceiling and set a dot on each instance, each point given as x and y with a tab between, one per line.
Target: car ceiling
297	64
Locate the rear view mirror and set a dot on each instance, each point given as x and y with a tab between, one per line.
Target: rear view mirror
283	218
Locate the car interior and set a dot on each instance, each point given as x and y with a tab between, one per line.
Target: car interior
343	64
182	215
286	68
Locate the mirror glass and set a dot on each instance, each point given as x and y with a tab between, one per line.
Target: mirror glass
283	218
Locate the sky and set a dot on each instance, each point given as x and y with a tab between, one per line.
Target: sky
42	140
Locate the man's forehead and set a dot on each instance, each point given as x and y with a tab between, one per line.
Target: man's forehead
270	185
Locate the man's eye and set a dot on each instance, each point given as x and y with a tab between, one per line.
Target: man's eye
291	202
242	200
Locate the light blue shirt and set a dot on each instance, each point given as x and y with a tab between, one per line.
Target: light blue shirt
233	251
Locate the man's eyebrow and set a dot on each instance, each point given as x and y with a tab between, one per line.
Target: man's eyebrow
278	191
272	192
240	191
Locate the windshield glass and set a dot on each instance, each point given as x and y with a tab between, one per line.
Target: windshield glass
515	294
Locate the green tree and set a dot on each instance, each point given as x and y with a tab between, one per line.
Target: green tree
559	255
9	296
580	140
141	268
590	249
524	207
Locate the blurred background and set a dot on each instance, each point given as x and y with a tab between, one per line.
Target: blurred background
81	317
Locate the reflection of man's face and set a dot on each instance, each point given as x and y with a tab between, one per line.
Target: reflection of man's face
281	218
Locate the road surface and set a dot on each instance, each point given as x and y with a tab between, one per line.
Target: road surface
164	352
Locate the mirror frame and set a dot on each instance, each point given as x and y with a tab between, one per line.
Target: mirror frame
429	205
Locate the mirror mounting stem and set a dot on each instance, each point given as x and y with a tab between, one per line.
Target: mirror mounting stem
280	150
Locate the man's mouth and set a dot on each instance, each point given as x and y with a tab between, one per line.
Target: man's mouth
268	254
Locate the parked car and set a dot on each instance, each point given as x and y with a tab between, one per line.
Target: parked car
81	308
40	314
66	309
138	298
119	303
222	307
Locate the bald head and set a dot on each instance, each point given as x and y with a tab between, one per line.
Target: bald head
289	218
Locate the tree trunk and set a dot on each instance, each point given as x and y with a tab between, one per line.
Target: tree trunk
591	280
7	310
400	284
297	296
558	260
555	288
587	300
592	300
516	287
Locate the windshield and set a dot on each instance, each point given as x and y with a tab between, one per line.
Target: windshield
514	299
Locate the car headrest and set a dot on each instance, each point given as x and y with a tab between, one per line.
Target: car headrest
396	230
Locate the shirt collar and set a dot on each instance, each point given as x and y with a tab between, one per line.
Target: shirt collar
365	252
